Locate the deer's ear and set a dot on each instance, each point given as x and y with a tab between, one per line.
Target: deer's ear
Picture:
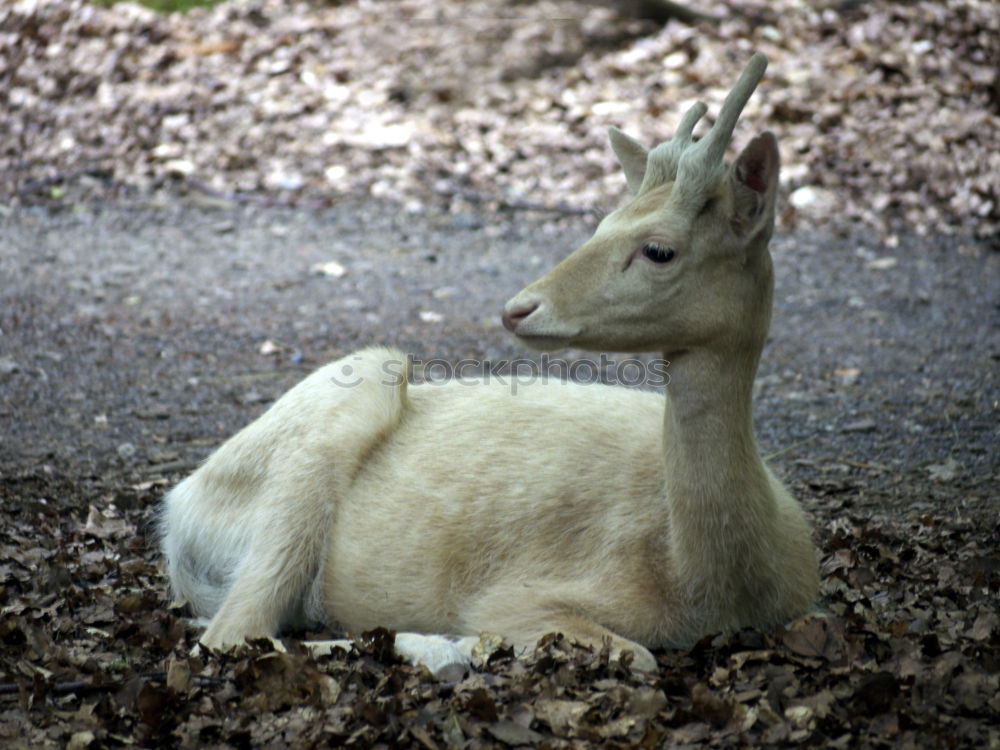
631	155
754	182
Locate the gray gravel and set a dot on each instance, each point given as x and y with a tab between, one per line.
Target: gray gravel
137	337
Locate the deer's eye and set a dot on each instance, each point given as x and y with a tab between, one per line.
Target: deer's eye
658	253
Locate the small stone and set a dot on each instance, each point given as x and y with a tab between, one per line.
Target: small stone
861	425
676	60
466	221
179	167
882	264
609	108
336	175
847	375
153	411
167	151
813	198
282	180
162	455
330	268
946	471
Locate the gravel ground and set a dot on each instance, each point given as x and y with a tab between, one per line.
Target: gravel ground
140	335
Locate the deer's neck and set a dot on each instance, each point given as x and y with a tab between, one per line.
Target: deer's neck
722	507
710	407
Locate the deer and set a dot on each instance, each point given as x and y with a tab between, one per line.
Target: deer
621	518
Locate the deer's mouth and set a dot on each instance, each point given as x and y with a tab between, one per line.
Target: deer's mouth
532	322
546	341
542	336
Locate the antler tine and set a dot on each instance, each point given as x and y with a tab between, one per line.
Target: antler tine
662	161
690	119
695	164
717	139
700	165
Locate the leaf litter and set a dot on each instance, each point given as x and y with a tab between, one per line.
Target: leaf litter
903	650
887	113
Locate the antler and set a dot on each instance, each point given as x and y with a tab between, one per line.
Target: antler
696	166
700	166
714	144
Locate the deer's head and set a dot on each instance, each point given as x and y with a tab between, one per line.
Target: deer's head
685	263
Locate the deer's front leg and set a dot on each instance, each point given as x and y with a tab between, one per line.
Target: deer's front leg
439	653
579	629
525	619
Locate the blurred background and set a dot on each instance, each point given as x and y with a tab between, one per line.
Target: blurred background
887	112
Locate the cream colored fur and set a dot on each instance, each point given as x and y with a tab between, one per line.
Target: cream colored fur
594	511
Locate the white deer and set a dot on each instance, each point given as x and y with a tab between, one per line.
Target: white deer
602	513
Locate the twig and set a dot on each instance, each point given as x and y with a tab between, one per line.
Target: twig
170	466
863	465
791	447
508	205
236	196
62	178
560	208
88	686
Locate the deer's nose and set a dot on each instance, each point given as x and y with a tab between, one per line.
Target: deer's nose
512	316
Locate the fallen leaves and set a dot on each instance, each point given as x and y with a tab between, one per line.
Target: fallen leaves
886	112
905	651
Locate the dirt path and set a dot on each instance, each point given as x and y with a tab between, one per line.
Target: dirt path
135	337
